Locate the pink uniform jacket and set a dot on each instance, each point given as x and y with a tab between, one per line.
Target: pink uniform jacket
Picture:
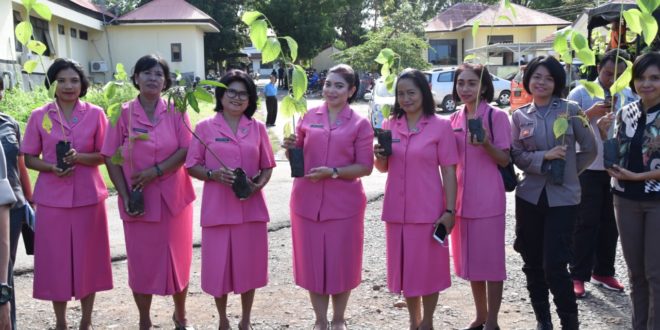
250	150
414	192
347	141
165	137
85	132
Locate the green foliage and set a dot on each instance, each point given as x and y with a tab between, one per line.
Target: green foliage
113	94
642	22
560	126
118	7
19	103
594	89
624	79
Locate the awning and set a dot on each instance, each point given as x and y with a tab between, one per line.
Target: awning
522	47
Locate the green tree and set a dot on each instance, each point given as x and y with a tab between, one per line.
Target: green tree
402	32
349	17
118	7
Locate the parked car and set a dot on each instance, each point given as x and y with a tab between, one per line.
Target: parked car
519	96
442	81
380	97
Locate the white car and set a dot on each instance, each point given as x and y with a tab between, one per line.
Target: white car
442	81
378	98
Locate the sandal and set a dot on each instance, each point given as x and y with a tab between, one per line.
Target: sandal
178	325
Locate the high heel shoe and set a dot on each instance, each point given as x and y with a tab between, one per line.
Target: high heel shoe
178	325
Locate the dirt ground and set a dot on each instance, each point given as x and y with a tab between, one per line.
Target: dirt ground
282	305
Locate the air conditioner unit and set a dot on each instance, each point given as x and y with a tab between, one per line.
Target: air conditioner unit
98	66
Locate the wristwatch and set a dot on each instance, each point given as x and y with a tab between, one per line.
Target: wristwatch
209	173
6	293
335	173
450	211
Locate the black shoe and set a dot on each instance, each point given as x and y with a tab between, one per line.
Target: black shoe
569	321
544	325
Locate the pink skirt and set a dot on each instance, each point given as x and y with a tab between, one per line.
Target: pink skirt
234	258
417	264
477	247
327	255
71	252
160	253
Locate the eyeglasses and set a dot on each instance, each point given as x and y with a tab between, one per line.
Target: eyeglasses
241	95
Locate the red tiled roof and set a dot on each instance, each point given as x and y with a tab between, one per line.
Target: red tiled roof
455	18
167	10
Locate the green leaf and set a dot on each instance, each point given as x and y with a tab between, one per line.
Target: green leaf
52	89
117	157
30	65
578	41
301	106
293	47
650	28
507	4
46	123
43	11
469	57
504	18
385	70
389	82
258	34
633	18
271	50
648	6
23	32
109	90
587	56
299	82
202	95
594	89
114	110
287	129
28	5
475	29
288	107
560	126
36	47
386	109
385	56
120	73
212	83
623	81
192	101
560	46
249	17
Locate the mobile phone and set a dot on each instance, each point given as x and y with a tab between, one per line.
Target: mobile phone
440	233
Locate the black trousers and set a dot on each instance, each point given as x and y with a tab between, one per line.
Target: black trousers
271	109
596	235
543	236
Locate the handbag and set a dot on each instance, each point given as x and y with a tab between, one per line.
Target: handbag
508	173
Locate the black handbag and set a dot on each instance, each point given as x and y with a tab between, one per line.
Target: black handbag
508	173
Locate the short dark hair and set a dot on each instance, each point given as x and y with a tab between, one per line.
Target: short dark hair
351	77
611	55
487	89
421	81
554	67
63	64
230	77
642	63
147	62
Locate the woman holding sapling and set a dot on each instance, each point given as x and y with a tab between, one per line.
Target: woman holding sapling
637	189
417	197
483	136
234	231
72	253
328	203
546	208
153	141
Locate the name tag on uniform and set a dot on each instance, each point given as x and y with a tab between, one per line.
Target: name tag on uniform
458	129
140	130
316	125
222	139
396	140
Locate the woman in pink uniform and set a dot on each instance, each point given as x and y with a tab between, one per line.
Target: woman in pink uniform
234	231
153	141
478	238
327	205
417	198
72	253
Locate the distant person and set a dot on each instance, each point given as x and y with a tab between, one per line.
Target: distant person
523	59
547	198
159	234
595	237
280	77
234	231
271	101
71	248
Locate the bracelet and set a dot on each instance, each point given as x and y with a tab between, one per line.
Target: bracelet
159	172
449	211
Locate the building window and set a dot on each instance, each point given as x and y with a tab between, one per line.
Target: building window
500	39
17	19
443	52
41	32
176	52
74	33
60	29
83	35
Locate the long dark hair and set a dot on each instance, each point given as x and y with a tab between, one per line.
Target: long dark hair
487	90
421	81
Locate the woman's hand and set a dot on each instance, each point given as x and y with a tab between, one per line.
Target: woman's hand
621	173
71	157
378	152
604	123
62	173
223	175
319	173
143	178
126	198
447	220
289	142
558	152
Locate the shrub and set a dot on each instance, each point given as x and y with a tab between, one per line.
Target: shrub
19	103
